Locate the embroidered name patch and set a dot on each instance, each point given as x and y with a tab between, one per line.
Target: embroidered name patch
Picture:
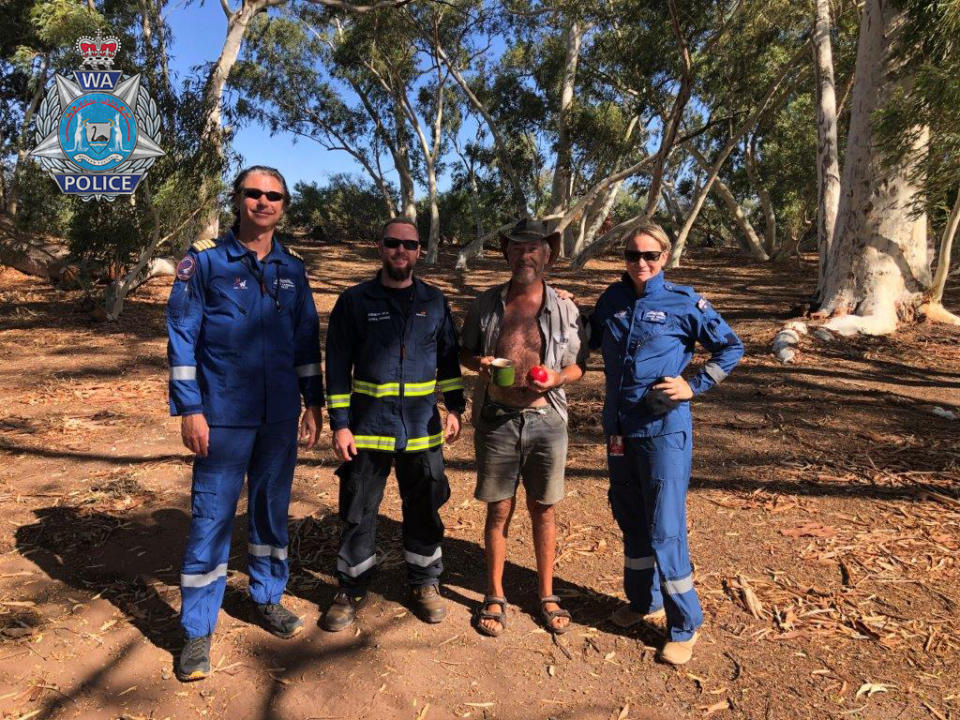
378	316
186	268
286	284
656	316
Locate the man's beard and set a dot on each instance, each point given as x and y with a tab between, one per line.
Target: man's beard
399	274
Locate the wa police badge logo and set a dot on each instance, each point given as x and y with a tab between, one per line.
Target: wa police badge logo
95	133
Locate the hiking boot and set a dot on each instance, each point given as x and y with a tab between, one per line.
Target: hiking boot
679	652
625	617
342	611
194	660
427	603
278	620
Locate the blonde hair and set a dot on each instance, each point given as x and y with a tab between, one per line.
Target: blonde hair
648	227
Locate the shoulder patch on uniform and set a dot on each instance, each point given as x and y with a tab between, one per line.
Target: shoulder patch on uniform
186	268
201	245
294	253
703	303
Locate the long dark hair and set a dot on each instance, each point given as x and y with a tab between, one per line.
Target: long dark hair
236	193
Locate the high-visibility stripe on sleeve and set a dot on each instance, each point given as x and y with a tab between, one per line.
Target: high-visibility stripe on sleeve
451	384
375	442
308	370
424	443
189	580
339	401
183	372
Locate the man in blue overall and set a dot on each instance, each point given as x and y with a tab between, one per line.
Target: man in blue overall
391	344
243	348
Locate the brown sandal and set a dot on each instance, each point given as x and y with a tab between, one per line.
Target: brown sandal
548	616
484	614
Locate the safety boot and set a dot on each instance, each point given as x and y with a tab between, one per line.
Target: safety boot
679	652
427	603
278	620
342	611
194	660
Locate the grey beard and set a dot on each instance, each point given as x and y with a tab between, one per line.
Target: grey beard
398	274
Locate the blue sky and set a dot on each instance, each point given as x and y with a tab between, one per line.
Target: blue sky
198	34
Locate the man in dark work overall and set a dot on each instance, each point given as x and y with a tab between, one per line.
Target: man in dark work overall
521	430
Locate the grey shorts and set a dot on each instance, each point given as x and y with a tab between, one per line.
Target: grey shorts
514	445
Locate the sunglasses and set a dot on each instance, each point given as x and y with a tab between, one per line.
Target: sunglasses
633	256
392	243
255	193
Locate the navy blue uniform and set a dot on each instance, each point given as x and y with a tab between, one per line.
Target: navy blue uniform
645	338
388	352
243	348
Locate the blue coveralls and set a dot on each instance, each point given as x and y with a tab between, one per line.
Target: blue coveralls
243	347
384	365
644	339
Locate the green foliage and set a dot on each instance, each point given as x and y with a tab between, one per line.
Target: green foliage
43	208
102	234
346	209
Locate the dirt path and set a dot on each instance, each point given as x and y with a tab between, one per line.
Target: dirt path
824	499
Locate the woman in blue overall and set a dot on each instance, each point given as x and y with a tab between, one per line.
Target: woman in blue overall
647	329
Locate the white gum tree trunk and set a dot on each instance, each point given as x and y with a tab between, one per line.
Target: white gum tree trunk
560	187
828	162
878	268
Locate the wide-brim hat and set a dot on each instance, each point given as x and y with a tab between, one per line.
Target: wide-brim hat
530	230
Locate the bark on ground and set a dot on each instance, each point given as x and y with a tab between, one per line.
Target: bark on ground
824	516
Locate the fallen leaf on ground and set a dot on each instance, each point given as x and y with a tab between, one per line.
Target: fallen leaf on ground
870	688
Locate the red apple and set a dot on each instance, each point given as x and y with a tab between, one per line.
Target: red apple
537	374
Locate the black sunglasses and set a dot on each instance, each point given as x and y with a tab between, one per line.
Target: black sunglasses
393	243
255	193
636	255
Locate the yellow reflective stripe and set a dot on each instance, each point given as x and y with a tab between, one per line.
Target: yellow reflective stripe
423	443
377	391
451	384
374	442
339	401
419	389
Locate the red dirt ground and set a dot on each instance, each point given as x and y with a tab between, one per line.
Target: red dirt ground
824	514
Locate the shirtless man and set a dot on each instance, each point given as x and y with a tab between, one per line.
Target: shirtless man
521	431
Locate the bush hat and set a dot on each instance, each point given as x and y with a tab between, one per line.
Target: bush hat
531	230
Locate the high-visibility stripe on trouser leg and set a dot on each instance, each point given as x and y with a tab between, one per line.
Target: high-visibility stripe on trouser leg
269	479
424	489
217	481
362	481
666	492
640	580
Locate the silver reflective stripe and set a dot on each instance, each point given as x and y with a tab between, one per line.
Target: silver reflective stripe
714	371
183	372
280	553
422	560
640	563
355	570
308	370
678	587
195	581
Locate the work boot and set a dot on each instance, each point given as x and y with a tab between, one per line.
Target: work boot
342	611
194	660
625	617
278	620
427	603
679	652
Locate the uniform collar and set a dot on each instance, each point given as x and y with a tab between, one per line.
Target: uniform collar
653	286
375	288
236	249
